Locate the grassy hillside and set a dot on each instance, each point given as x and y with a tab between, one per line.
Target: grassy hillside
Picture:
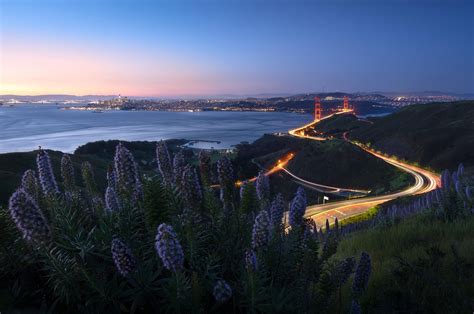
341	123
13	165
420	265
332	162
440	135
99	154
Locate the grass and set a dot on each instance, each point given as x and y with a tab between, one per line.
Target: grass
436	279
361	217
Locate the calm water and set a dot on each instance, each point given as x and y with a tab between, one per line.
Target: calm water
25	127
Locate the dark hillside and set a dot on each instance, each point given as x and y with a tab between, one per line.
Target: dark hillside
332	162
440	135
13	165
341	123
99	154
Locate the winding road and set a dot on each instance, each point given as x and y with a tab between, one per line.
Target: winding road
425	181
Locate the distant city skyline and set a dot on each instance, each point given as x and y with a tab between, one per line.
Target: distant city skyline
212	48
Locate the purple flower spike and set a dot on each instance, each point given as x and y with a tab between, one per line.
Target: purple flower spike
28	217
355	307
362	274
225	175
276	210
111	177
445	179
310	230
46	175
263	186
460	171
168	248
112	203
30	184
344	270
67	172
123	257
125	170
297	208
261	230
191	188
178	168
164	162
222	291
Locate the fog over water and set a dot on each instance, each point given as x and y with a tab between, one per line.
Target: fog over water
25	127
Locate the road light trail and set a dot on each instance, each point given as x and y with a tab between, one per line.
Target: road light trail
425	181
322	187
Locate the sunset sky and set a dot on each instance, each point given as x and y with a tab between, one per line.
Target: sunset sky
176	48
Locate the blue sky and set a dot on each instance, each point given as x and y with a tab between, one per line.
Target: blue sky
171	48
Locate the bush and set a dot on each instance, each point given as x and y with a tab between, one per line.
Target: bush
166	244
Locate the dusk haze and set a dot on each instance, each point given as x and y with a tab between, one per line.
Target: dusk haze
236	156
179	48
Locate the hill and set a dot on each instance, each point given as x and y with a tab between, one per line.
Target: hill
420	265
438	135
99	154
333	162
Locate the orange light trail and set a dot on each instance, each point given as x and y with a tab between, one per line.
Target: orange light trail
425	181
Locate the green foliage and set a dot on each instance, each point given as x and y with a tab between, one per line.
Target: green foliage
156	204
76	271
421	265
369	214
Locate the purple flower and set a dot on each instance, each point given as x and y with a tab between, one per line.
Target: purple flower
67	173
261	230
344	270
30	184
190	187
222	291
263	186
112	203
125	170
111	177
123	257
276	210
310	230
46	175
225	175
178	167
251	260
445	180
454	177
297	208
460	171
168	248
164	162
28	217
362	274
355	307
243	189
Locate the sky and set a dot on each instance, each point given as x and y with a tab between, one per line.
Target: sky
204	48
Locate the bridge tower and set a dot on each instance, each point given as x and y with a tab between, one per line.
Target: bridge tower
346	103
317	109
